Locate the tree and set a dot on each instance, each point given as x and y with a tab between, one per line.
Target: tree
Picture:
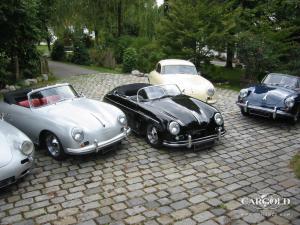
19	32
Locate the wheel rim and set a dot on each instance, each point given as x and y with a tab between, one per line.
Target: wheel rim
152	135
53	145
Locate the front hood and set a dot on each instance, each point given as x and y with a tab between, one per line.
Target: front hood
185	109
5	150
269	95
10	140
188	82
84	113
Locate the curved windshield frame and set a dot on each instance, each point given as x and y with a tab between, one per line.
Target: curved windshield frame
51	95
282	80
179	69
150	93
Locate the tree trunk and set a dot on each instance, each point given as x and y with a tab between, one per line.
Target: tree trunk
17	67
48	39
96	36
119	9
230	55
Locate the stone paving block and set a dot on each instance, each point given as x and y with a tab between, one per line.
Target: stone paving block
161	186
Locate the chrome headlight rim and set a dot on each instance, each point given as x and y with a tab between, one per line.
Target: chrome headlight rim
77	134
244	93
219	119
210	92
27	148
122	120
289	102
174	128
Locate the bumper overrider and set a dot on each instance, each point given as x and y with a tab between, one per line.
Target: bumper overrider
97	146
192	142
272	112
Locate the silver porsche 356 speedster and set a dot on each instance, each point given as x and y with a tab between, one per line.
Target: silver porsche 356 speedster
62	121
16	154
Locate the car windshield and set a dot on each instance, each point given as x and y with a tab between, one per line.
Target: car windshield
282	80
52	95
179	69
157	92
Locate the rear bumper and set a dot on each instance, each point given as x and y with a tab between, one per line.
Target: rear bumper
97	146
192	142
274	113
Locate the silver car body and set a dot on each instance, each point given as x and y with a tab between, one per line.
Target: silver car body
98	120
13	163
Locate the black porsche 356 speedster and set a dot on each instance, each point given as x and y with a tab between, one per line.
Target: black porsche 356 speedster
277	96
166	116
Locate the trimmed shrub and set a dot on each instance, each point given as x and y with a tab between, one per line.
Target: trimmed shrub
58	51
81	55
129	60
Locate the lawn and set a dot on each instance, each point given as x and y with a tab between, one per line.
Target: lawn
295	164
224	77
43	49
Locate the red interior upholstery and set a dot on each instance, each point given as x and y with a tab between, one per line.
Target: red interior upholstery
39	102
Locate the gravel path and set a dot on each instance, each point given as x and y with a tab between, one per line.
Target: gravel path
63	70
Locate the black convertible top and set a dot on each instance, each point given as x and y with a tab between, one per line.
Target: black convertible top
130	89
13	97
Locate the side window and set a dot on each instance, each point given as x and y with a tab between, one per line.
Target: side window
158	68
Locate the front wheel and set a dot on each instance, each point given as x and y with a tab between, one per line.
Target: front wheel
53	146
244	113
153	137
295	119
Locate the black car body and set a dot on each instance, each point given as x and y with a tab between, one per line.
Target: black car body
277	96
164	112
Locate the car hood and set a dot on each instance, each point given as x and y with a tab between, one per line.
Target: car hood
10	139
5	150
183	108
85	113
187	82
269	95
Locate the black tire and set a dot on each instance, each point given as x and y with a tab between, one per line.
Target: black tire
153	136
244	113
53	146
295	119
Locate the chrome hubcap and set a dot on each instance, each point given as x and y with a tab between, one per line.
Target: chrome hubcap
152	135
53	145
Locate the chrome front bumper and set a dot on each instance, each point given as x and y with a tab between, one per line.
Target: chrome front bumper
97	146
274	112
191	142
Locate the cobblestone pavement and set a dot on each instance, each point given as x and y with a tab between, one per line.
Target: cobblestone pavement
137	184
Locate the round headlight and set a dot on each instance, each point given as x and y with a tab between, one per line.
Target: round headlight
77	134
289	102
27	147
218	119
174	128
210	92
122	119
243	93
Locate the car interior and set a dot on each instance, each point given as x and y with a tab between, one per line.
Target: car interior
130	91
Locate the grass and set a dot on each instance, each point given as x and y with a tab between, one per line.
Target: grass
295	164
224	77
100	69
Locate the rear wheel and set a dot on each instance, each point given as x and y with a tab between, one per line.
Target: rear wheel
153	137
53	146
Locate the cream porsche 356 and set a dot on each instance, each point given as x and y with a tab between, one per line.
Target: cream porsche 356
184	74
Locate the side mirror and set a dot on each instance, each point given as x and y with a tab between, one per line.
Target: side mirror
199	73
82	95
2	115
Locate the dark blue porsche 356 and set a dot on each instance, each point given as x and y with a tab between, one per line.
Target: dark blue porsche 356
277	96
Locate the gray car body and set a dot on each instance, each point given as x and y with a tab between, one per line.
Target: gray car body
98	120
11	167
